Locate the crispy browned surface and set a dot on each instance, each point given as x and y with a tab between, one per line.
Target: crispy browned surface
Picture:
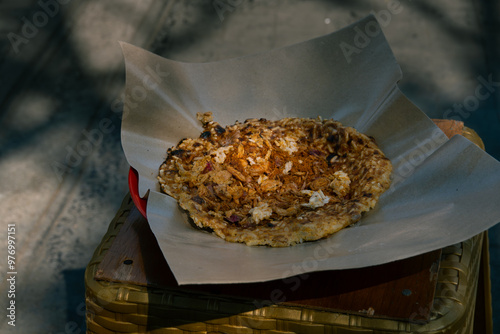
276	183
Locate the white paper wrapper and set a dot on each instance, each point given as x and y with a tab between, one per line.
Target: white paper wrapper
443	191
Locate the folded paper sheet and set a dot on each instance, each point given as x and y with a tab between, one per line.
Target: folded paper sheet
443	191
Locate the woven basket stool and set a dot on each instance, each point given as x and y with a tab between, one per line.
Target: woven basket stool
130	289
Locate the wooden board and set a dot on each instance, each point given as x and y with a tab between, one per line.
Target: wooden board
395	290
450	127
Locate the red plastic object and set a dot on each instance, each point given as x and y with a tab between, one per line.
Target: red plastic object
133	184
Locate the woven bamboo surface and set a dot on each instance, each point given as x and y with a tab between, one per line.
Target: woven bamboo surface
114	307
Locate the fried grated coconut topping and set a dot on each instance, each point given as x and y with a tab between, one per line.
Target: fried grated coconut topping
275	183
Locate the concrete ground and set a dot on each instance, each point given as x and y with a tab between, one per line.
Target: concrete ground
62	74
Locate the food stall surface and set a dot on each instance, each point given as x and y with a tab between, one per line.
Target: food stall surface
64	174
